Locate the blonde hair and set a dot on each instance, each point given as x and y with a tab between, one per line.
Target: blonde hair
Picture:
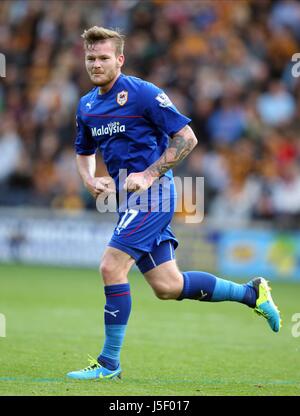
96	33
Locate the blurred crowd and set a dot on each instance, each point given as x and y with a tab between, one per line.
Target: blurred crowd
227	64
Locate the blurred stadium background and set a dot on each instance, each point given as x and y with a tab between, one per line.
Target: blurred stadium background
225	64
228	66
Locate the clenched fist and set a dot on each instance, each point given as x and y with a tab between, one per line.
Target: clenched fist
138	182
100	185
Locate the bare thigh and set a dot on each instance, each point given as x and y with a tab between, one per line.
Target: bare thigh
166	280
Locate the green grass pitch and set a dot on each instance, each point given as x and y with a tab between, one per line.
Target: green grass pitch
54	320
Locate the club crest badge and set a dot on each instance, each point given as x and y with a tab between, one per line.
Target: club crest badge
122	97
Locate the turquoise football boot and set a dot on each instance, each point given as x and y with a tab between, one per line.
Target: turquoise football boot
264	303
95	371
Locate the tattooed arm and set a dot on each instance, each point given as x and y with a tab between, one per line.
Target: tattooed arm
180	146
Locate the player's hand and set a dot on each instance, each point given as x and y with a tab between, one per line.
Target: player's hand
100	186
138	182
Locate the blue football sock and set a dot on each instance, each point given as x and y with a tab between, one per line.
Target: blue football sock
116	314
207	287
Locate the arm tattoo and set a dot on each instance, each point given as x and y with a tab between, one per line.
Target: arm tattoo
178	149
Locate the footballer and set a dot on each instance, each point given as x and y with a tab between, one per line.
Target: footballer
136	128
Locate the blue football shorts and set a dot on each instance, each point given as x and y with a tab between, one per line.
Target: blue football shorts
145	236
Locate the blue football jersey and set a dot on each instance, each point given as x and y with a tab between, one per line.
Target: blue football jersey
130	125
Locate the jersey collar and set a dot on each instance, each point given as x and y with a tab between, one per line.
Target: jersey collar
101	96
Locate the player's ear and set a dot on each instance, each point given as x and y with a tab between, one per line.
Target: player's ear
121	60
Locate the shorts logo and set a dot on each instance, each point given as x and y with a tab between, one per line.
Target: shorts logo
122	97
89	105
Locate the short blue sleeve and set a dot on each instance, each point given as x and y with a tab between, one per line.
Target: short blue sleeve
84	142
158	108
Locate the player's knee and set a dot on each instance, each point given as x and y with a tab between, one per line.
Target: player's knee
164	291
110	272
164	295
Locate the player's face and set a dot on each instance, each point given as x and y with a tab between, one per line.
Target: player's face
101	62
